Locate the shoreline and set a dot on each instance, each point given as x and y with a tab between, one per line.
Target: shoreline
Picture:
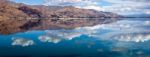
20	25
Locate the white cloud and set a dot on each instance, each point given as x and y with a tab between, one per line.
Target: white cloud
147	11
98	8
69	2
127	6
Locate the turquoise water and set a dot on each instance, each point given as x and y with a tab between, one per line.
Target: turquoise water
124	38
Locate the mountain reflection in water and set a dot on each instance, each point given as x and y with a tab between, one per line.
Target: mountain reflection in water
124	38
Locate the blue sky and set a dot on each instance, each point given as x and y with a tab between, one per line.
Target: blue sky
31	2
124	7
38	2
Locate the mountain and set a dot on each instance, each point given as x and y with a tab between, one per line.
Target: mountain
72	12
17	17
138	16
15	10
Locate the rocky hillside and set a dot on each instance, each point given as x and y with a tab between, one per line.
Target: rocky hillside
17	11
72	12
66	12
9	11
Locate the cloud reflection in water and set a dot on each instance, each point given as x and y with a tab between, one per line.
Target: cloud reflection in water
55	36
22	42
45	38
127	31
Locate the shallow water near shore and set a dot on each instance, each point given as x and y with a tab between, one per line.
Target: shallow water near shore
128	37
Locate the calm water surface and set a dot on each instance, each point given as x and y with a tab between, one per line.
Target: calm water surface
124	38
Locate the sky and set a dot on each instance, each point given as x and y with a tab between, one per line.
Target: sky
123	7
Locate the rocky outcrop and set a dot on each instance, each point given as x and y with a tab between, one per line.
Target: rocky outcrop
30	11
8	11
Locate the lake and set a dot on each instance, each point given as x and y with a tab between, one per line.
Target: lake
129	37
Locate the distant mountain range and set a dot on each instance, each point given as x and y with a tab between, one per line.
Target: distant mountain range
138	16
